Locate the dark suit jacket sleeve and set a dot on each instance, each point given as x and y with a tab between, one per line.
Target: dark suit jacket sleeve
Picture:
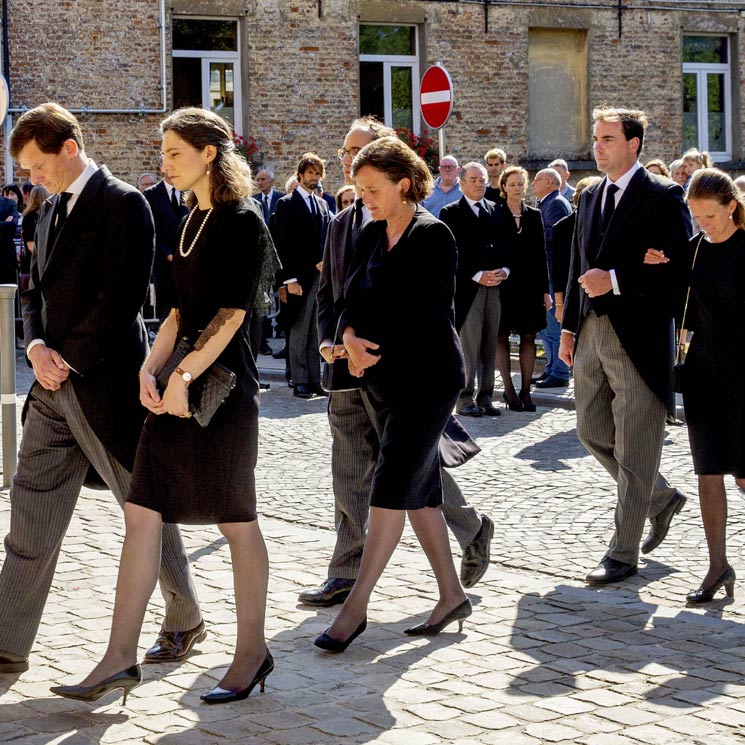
163	247
31	298
572	300
563	231
670	233
326	318
128	248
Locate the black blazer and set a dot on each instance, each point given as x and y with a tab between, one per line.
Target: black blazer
651	214
84	300
415	281
341	241
563	232
299	237
274	197
482	245
167	220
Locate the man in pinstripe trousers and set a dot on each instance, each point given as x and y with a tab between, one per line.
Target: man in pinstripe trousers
354	441
618	331
86	343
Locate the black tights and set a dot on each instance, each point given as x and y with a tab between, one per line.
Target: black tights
527	362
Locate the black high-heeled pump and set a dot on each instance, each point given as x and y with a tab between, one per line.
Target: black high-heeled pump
459	613
513	404
324	641
526	401
223	695
706	594
124	679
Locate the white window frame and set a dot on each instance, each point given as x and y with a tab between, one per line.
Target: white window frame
207	57
389	61
701	70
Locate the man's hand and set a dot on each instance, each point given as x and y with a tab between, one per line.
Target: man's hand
282	293
294	288
319	266
548	303
49	368
596	282
491	278
359	352
655	256
566	349
169	257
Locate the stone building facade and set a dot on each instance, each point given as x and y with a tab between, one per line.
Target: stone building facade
294	73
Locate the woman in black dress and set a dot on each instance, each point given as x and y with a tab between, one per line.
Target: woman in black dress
526	297
184	472
398	330
715	361
714	310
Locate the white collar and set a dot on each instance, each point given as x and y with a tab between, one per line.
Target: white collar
77	186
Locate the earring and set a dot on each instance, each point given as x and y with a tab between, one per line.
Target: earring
730	215
208	169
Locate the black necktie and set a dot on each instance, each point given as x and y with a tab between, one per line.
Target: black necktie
175	203
609	207
60	214
312	203
266	208
482	212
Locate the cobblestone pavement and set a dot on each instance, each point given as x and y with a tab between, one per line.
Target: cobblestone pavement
543	659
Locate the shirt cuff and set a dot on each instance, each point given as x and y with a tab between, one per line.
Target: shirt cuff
34	343
506	270
614	282
289	281
325	344
567	331
476	277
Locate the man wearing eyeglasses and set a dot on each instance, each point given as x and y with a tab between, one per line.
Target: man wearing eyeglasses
447	186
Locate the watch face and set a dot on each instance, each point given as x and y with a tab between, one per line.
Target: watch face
187	377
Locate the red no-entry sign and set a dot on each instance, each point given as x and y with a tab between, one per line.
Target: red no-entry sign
436	96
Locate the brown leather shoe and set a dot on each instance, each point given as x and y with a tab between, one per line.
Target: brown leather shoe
332	592
12	663
171	646
661	523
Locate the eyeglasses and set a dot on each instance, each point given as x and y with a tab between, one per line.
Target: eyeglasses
448	168
351	152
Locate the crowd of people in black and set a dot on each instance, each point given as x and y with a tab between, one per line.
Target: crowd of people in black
608	279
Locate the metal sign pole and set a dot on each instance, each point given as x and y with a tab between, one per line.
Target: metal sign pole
441	141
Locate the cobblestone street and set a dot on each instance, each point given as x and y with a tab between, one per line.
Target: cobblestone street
543	658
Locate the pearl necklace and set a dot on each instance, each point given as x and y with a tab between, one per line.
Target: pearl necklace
196	237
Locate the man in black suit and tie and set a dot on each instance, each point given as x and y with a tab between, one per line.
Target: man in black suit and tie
618	331
300	224
267	196
483	264
354	443
168	210
86	342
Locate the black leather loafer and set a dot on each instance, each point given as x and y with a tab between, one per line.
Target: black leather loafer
661	523
489	409
469	410
12	663
475	560
171	646
332	592
609	570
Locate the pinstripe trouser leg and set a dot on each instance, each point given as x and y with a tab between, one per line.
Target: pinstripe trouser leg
354	451
56	447
621	422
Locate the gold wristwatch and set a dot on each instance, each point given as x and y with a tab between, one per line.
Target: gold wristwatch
185	376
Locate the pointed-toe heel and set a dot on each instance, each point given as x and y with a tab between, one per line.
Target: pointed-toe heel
513	404
126	680
706	594
526	401
224	695
459	614
324	641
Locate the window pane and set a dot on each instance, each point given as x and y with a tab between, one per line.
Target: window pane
690	110
205	35
387	40
715	96
711	49
371	90
401	106
187	82
221	90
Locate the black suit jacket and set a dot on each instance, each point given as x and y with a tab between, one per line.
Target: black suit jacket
84	300
563	232
341	241
274	197
167	220
482	245
299	237
651	214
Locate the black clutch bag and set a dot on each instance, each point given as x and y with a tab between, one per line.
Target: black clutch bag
335	376
208	391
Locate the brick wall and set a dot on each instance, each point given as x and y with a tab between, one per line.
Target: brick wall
300	72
